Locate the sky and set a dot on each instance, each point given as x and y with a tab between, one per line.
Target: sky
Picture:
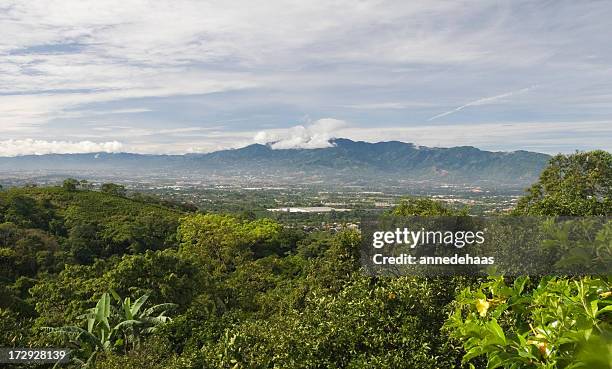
179	76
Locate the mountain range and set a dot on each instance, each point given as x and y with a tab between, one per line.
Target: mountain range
345	161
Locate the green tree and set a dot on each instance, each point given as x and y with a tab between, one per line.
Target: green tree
163	275
578	184
114	189
84	242
70	184
221	242
25	211
559	322
415	206
370	323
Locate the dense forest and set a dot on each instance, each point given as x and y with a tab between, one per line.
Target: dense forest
130	281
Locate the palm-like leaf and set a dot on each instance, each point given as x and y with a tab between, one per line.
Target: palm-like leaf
138	304
78	334
131	322
126	323
103	310
127	308
161	307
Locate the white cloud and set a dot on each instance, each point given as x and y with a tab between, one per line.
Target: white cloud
63	62
30	110
41	147
540	136
313	136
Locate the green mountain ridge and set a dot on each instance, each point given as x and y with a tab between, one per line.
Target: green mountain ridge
342	162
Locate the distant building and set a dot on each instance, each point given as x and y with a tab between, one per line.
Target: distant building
311	209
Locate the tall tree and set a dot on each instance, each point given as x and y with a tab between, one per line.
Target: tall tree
575	185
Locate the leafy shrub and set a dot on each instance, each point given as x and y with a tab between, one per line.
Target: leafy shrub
560	323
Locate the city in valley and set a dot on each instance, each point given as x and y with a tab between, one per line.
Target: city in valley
310	206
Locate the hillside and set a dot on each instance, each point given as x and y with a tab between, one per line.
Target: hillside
152	287
88	224
344	162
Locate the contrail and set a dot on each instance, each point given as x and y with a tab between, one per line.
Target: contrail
483	101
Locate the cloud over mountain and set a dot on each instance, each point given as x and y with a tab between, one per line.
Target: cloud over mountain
344	161
313	136
41	147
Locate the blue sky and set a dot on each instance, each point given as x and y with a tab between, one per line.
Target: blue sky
195	76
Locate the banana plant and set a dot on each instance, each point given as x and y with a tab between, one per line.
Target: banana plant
98	337
113	328
138	322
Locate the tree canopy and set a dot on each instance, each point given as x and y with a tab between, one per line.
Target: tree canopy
131	281
576	184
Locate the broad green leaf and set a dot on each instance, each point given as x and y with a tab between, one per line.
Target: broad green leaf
594	307
519	284
497	330
115	295
103	310
126	323
90	324
604	310
494	362
138	304
472	353
127	309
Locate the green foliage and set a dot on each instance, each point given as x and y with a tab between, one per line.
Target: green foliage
13	328
577	184
113	189
388	323
70	184
221	242
26	252
579	246
561	322
153	353
257	293
113	328
87	224
59	299
25	211
163	275
554	325
414	206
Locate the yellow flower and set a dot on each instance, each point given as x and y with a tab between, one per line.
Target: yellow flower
482	305
605	295
392	296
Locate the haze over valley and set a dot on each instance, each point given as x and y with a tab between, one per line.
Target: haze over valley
343	163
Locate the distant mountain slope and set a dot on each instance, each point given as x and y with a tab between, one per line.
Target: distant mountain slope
345	161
